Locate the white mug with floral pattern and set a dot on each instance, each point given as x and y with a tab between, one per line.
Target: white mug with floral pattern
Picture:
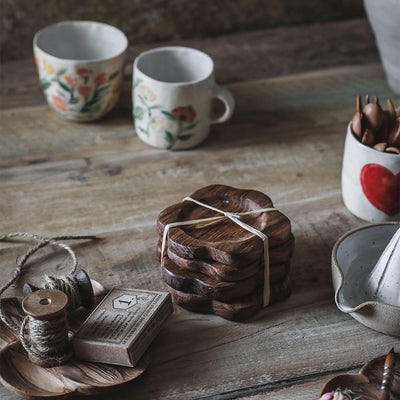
172	92
80	66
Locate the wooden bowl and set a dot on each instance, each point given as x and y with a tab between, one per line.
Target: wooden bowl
354	255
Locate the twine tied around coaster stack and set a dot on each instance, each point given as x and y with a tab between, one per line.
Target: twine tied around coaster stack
235	217
46	317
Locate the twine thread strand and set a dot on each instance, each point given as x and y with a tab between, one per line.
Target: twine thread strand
48	339
234	217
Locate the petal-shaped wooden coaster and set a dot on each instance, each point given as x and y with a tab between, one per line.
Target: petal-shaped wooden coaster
195	282
224	241
368	381
236	310
76	378
278	269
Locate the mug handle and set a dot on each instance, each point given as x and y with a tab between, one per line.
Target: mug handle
226	97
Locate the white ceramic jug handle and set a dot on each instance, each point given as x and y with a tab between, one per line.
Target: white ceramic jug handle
226	97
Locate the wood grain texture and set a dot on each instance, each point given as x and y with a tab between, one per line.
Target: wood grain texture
237	309
196	282
277	255
286	139
266	53
224	241
227	273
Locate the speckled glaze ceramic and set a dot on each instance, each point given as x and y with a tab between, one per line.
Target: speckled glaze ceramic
80	67
370	181
172	91
354	256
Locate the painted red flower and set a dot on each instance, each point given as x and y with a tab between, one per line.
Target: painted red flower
59	103
84	90
83	71
101	79
184	113
69	80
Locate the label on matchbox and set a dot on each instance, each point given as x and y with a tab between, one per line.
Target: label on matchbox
122	326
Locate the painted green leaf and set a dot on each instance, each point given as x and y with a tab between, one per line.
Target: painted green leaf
61	72
137	83
191	126
62	94
169	137
113	75
169	115
139	112
64	86
45	85
74	100
142	100
154	107
142	130
103	89
185	137
96	107
91	102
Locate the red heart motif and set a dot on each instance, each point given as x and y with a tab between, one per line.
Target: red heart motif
382	188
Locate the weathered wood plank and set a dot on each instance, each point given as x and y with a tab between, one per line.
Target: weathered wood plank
262	54
286	139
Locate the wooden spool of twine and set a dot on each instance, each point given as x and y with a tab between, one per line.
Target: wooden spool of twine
44	332
46	321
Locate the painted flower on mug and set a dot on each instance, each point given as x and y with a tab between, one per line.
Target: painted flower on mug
84	90
59	103
83	71
71	82
184	113
79	93
37	62
48	67
146	93
101	79
157	123
183	118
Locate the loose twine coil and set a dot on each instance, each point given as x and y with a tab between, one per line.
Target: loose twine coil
235	217
47	339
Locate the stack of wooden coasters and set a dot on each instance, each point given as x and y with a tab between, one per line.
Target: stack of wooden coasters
213	264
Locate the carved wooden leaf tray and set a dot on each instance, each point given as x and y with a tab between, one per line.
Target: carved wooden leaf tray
76	378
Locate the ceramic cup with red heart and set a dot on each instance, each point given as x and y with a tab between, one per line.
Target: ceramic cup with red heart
370	181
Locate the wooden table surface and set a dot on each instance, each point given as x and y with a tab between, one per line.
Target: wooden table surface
285	139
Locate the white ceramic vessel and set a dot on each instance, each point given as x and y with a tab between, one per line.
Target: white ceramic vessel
354	257
172	92
80	66
383	283
384	16
370	181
